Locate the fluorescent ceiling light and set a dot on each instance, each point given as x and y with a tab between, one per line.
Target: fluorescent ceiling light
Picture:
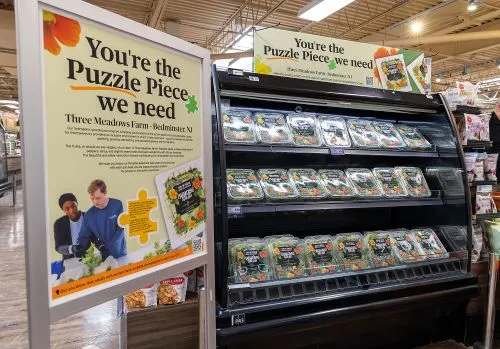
6	101
416	27
320	9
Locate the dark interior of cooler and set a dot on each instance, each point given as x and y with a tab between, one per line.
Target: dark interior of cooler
427	297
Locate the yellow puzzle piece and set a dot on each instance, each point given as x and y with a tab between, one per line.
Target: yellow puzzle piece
137	217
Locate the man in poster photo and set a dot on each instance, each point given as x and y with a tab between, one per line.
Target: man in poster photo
101	221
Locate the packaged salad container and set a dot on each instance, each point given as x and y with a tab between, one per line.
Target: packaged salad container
272	128
390	182
388	136
243	185
249	259
277	185
414	181
307	183
239	127
351	252
406	247
379	246
334	131
364	182
456	236
304	129
320	255
363	133
336	183
451	180
430	243
287	256
412	137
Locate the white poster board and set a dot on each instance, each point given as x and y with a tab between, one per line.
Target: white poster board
108	105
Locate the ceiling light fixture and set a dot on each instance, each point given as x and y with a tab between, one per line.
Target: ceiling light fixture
416	27
472	5
320	9
438	79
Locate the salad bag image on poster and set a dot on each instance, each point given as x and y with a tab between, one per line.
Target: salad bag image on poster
125	181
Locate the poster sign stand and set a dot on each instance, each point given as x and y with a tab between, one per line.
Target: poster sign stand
115	121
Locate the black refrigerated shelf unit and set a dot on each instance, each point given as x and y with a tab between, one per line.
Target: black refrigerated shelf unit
417	303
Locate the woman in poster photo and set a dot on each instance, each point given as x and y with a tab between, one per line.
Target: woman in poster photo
101	221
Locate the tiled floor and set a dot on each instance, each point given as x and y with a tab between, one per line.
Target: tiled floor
96	328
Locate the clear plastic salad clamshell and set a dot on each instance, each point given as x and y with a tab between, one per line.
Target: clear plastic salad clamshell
277	185
351	252
430	243
336	183
414	181
412	137
239	127
379	246
363	133
388	136
320	255
287	256
304	130
272	128
243	185
307	183
406	247
249	259
364	182
334	131
390	182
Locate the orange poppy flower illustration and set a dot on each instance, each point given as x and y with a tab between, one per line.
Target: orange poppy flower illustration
59	30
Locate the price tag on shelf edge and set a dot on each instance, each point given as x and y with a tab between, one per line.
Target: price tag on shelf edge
337	151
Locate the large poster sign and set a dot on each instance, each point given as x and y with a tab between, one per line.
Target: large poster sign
313	57
125	179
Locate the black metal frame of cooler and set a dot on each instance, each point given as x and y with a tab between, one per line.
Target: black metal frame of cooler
277	309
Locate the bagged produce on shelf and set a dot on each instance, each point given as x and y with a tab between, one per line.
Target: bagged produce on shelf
243	185
287	256
406	247
388	136
307	183
379	245
351	251
412	137
238	127
304	129
363	133
277	185
200	277
479	166
470	165
173	290
485	127
191	281
430	243
364	182
390	182
484	200
143	298
250	260
490	167
477	243
414	181
320	256
272	128
493	234
337	184
477	127
334	131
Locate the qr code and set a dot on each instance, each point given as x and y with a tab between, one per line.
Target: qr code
369	80
197	245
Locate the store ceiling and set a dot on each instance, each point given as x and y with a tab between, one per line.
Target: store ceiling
217	25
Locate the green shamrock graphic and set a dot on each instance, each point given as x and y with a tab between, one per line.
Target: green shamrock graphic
192	104
332	65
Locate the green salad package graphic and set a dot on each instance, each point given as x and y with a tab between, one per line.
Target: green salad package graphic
414	181
272	128
430	243
364	182
412	137
351	251
320	255
183	202
337	184
390	182
287	256
406	247
304	129
307	183
243	185
334	131
249	259
379	246
239	127
277	185
388	136
363	133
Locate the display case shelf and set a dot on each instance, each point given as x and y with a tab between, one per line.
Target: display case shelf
369	279
477	145
476	183
236	210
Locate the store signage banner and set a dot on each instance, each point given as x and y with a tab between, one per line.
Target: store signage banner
125	181
313	57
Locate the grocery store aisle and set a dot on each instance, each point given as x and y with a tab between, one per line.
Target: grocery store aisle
95	328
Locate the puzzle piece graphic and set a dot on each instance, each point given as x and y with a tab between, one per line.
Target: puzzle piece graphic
137	217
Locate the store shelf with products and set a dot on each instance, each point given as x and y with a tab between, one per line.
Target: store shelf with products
302	160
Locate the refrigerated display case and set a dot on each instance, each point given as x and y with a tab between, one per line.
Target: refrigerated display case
3	156
329	232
